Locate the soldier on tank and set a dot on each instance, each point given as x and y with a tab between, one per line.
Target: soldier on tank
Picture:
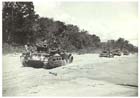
28	50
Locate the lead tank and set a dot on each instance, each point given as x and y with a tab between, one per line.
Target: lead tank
44	57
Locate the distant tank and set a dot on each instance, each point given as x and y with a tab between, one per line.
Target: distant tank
106	53
43	57
125	52
116	52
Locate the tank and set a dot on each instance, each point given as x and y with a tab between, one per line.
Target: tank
125	52
116	52
43	57
106	53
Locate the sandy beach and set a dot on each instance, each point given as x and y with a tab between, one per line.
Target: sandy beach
88	75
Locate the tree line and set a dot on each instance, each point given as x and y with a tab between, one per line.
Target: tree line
21	25
121	44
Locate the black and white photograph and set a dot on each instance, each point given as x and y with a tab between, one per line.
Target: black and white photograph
70	48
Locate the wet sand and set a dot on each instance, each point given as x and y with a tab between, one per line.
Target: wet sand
88	75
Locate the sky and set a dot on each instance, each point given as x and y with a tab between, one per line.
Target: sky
108	20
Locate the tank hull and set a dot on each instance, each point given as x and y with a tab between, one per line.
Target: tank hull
47	64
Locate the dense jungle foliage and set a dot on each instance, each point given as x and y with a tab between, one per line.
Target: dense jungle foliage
21	25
